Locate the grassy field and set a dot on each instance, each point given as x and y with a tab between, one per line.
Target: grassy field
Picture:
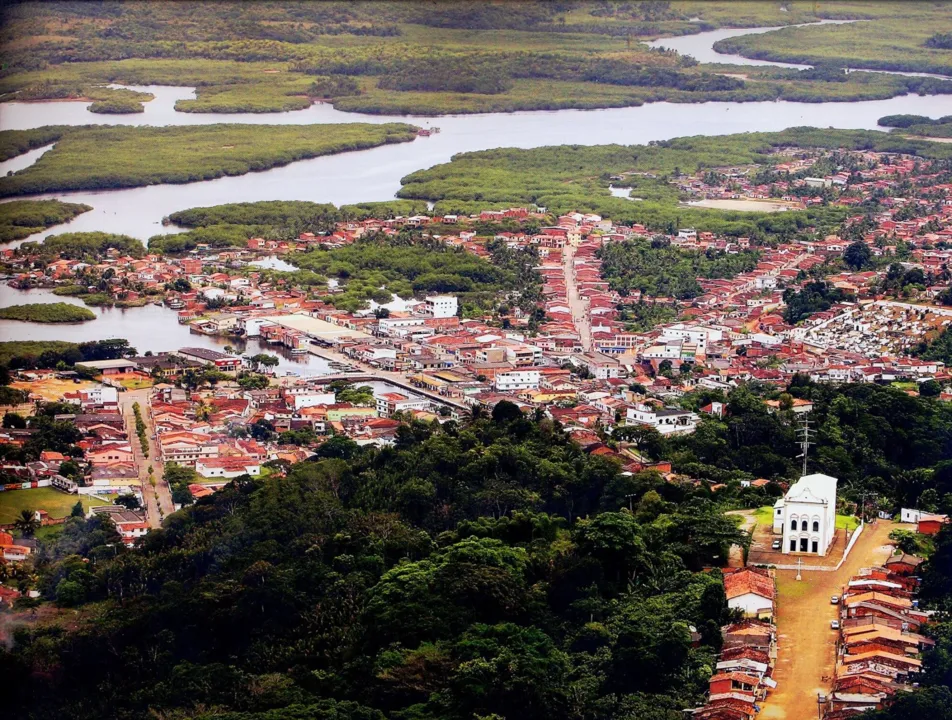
270	61
98	157
57	503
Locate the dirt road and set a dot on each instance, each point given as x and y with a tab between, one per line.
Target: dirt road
806	644
577	306
156	510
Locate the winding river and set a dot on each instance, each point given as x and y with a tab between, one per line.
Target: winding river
374	174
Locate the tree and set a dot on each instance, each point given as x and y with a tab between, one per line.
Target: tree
77	511
857	255
128	500
12	420
930	389
26	523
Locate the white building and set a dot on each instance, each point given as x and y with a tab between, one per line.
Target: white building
441	306
522	379
313	399
807	515
667	421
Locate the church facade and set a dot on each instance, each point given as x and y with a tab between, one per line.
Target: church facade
806	516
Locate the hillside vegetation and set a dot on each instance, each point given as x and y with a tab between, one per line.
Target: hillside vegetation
98	157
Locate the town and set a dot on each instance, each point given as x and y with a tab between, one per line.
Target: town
597	350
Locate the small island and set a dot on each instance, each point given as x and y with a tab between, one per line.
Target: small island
47	313
120	106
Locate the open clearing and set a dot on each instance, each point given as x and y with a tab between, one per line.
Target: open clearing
57	503
52	389
748	205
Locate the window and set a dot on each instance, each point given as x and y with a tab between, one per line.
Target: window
803	544
803	525
793	545
816	546
816	526
793	524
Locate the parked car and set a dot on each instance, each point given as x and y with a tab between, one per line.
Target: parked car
834	625
776	545
835	600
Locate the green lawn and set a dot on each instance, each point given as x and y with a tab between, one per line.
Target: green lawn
57	503
847	522
764	516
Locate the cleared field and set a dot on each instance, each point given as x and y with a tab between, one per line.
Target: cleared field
57	503
749	205
52	389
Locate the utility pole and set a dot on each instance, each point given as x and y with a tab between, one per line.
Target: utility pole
806	440
799	565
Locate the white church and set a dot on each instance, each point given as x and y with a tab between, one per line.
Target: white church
806	515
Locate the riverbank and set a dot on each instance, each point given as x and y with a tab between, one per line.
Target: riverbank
359	177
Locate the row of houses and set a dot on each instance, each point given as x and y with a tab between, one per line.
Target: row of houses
745	665
881	640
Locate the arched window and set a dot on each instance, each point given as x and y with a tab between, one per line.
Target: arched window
803	525
816	526
793	524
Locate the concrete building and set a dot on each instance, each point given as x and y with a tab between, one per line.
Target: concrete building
441	306
807	515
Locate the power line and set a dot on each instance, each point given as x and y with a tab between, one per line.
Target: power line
806	440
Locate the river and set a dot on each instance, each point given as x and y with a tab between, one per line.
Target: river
153	327
374	175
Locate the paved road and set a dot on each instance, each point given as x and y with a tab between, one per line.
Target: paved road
155	510
577	306
806	644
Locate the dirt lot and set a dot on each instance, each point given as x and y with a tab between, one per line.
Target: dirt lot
52	389
806	644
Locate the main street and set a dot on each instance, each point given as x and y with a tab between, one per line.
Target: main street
577	305
806	645
156	510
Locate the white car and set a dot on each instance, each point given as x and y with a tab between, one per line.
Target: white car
834	625
835	600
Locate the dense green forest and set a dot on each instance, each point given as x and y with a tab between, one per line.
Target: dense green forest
90	246
569	178
47	313
487	567
96	156
366	57
401	581
376	269
233	224
657	269
22	218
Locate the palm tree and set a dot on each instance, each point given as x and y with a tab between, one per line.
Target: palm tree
27	524
476	413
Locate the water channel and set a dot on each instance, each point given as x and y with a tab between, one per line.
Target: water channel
375	174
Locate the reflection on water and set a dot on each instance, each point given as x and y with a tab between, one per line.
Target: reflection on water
153	327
